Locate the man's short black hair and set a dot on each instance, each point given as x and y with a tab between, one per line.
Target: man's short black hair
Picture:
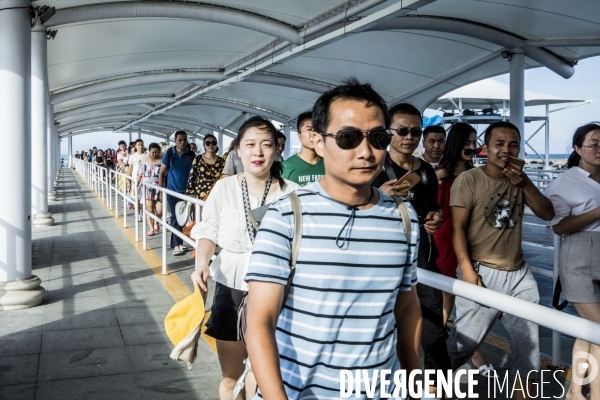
280	135
405	108
352	89
303	117
433	129
180	133
500	124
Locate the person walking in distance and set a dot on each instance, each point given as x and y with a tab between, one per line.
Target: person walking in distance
176	166
434	141
206	170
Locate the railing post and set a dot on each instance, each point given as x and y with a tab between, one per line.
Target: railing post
144	216
124	201
164	235
137	211
116	195
109	190
556	336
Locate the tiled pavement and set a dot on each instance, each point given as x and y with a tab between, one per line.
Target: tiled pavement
99	333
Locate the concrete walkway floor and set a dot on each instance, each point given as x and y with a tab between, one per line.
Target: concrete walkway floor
99	333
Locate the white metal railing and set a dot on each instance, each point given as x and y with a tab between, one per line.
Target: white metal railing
163	221
556	320
105	183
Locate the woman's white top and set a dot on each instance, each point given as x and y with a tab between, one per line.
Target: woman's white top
574	193
224	223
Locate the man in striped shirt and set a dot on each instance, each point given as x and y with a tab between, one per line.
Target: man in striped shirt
352	303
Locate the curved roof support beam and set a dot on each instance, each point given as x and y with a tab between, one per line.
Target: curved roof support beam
95	106
290	81
196	122
87	129
477	31
198	11
104	118
99	128
170	127
234	105
145	79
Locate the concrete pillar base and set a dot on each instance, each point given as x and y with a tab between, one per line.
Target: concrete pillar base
52	196
42	219
26	293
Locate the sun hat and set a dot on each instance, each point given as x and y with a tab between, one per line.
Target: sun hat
183	325
182	212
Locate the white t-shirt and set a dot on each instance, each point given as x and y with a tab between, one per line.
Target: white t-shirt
574	193
224	223
433	164
134	160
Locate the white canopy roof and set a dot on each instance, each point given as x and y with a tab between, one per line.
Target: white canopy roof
161	66
490	93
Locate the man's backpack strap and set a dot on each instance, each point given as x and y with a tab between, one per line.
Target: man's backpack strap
296	240
405	216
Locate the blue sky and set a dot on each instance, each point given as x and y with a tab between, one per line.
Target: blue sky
582	85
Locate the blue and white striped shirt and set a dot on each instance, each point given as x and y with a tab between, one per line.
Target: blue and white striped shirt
339	313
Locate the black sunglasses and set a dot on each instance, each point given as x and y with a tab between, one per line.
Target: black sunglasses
468	152
403	131
351	138
209	143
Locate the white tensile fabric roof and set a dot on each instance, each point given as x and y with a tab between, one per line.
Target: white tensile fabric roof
161	66
490	93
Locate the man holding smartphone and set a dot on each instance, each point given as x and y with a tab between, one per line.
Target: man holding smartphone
407	176
487	212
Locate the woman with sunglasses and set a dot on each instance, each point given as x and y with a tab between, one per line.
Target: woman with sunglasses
206	170
575	196
225	222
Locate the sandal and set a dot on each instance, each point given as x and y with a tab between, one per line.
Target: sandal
156	229
487	370
178	252
151	233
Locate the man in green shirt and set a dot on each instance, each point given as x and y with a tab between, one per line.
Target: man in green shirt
306	166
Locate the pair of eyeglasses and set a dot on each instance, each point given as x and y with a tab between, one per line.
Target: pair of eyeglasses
209	143
593	147
403	131
351	138
468	152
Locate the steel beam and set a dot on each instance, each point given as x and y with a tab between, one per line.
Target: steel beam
477	31
130	81
200	12
95	106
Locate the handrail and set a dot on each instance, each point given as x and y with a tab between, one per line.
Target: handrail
165	226
537	313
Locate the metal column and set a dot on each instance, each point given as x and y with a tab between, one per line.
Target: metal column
288	141
547	138
517	94
39	123
50	152
130	137
15	165
70	147
220	140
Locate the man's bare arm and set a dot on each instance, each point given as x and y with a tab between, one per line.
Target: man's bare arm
264	302
460	222
539	204
161	175
408	310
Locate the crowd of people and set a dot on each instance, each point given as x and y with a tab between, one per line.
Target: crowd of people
353	300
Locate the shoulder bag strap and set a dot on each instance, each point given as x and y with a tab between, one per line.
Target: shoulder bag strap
405	216
389	168
296	240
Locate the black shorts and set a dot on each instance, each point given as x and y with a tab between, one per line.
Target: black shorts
222	324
